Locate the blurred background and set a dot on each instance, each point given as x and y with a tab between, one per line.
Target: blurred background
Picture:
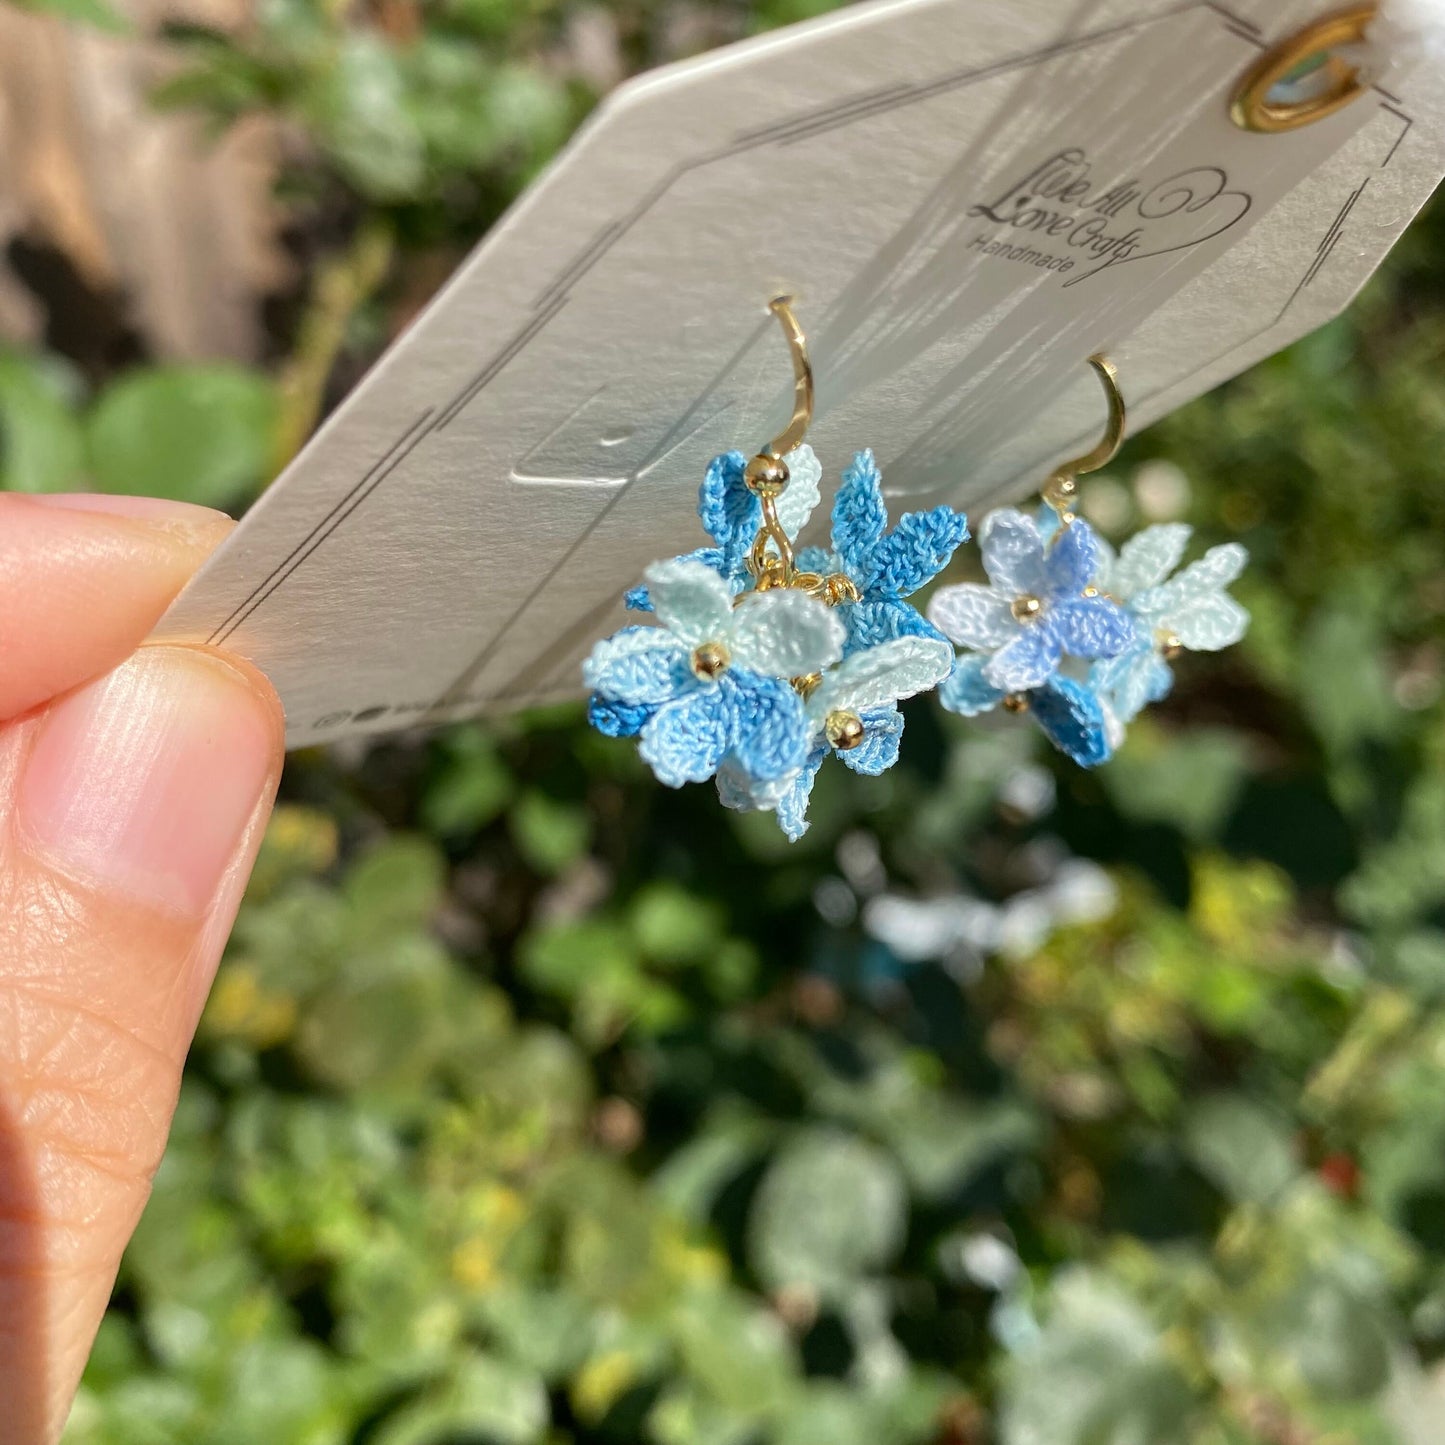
536	1104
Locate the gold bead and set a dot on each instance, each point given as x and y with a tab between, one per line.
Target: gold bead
766	476
1027	608
1091	591
1170	645
839	587
710	660
1016	702
844	730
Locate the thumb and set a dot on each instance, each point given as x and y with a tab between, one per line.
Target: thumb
130	813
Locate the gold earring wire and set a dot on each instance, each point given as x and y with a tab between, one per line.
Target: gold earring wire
767	473
1062	488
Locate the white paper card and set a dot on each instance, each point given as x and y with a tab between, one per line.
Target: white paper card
966	199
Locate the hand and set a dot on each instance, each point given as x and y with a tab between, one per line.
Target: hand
134	788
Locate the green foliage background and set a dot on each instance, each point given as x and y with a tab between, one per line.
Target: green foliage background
538	1104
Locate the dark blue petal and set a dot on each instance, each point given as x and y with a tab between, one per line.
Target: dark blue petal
1072	561
1091	627
730	513
769	726
915	551
859	514
617	719
882	738
883	619
1072	718
685	740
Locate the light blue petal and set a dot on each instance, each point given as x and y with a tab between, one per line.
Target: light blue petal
792	809
783	633
734	790
1027	662
1133	680
1013	554
974	617
968	692
1072	718
1145	561
1048	521
692	601
1214	571
1207	623
617	719
686	740
918	548
882	676
882	740
859	514
639	599
1091	627
638	665
1073	561
770	736
802	494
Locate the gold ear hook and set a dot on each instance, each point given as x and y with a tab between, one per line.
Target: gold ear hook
797	428
767	473
1264	100
1062	488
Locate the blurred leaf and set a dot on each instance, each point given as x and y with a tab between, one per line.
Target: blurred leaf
830	1209
550	835
358	108
1188	779
42	448
470	787
1098	1375
674	926
193	433
95	13
1343	686
484	1399
1241	1146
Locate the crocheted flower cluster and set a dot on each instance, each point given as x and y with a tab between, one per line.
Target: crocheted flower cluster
755	688
1078	636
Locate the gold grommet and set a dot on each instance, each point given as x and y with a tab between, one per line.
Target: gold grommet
1251	107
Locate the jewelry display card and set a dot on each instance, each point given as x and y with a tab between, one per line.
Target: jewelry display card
965	198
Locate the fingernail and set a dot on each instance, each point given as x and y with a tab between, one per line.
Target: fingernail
144	782
146	508
186	515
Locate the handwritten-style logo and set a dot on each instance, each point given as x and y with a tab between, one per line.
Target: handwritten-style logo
1060	219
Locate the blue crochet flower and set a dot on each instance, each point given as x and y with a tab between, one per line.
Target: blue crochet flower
710	686
1041	607
1070	713
868	686
886	567
1191	611
731	515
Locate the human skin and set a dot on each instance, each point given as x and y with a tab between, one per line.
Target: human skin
135	783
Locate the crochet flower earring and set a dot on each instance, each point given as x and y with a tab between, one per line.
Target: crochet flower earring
1071	634
766	659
